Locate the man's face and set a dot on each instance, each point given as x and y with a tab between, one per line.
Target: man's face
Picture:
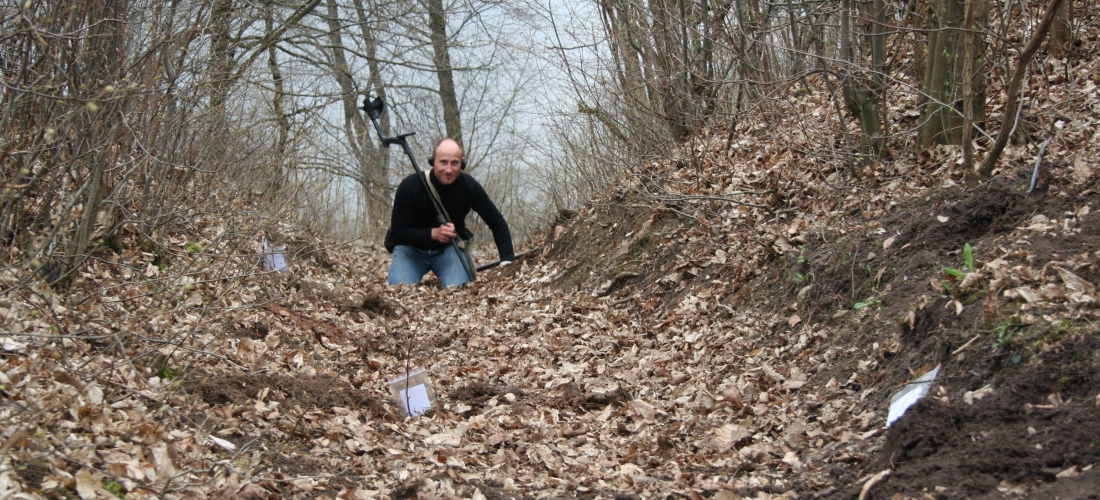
448	162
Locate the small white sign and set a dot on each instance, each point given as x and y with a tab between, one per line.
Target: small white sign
275	258
907	397
416	400
413	392
276	261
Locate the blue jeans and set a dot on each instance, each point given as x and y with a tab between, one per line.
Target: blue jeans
410	264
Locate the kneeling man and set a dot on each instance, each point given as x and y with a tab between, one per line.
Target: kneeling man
418	243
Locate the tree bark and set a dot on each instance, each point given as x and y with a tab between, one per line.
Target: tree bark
969	56
282	123
380	199
373	180
670	86
1061	31
102	63
1013	99
942	111
861	94
222	51
437	24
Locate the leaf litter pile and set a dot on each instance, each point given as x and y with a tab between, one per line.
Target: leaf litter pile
728	323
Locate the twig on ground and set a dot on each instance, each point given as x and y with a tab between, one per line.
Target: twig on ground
875	479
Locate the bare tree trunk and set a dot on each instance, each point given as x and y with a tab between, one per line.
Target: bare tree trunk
1013	99
797	54
968	87
380	201
878	65
669	78
942	111
373	179
437	24
102	64
282	123
222	50
853	167
637	75
861	94
1061	32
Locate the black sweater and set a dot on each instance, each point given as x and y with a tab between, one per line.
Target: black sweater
413	216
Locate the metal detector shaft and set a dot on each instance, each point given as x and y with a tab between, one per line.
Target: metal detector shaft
374	108
497	263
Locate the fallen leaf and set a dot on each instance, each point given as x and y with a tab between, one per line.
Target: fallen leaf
970	396
162	461
730	435
223	443
1022	292
794	320
1070	472
732	394
86	485
1074	282
445	439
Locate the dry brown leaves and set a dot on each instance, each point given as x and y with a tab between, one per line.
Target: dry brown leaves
543	391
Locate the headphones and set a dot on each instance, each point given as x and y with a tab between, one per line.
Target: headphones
431	159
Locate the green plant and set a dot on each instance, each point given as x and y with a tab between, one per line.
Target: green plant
802	278
162	365
1005	331
1054	333
869	302
170	373
115	489
639	247
1071	375
968	264
193	248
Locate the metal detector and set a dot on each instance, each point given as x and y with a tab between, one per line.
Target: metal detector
374	108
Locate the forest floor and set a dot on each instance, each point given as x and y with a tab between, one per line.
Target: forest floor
727	323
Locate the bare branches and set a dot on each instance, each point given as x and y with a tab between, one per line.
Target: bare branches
1014	86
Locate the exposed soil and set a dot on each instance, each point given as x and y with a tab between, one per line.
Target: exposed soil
373	305
479	393
33	473
494	490
319	392
318	330
944	448
1043	422
668	341
574	397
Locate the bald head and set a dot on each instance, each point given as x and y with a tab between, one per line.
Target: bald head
446	141
447	161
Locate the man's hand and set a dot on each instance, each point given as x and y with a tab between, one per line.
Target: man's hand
444	233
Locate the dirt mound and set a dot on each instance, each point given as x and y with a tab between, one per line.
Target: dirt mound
1037	428
321	392
477	394
575	397
373	305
